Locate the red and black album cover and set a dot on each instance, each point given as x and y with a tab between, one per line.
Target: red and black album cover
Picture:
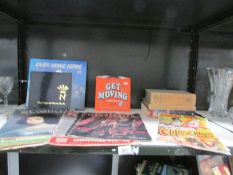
109	126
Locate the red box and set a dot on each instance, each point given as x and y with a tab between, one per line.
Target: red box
112	93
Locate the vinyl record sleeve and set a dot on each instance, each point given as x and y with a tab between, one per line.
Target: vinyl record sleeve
50	90
24	123
110	126
78	70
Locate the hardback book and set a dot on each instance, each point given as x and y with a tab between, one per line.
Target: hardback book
160	97
56	84
112	93
168	107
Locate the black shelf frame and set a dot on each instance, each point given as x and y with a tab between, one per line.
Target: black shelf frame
23	20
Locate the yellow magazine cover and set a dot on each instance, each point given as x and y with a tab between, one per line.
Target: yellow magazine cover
190	131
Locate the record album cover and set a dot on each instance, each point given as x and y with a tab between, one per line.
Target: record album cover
24	123
77	84
110	126
50	90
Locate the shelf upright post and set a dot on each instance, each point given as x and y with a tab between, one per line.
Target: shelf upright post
22	63
13	163
115	162
193	62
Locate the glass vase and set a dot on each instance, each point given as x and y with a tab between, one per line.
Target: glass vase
221	81
6	85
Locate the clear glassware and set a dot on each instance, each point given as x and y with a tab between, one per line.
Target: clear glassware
6	85
221	81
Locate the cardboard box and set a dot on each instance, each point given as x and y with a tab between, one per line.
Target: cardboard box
112	93
158	97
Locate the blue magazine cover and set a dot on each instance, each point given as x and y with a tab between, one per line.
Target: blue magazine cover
78	72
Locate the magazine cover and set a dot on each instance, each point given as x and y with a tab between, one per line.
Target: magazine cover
70	78
110	126
191	131
26	127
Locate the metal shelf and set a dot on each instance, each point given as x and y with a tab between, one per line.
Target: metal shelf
179	14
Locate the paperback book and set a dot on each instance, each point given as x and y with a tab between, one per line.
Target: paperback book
56	84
